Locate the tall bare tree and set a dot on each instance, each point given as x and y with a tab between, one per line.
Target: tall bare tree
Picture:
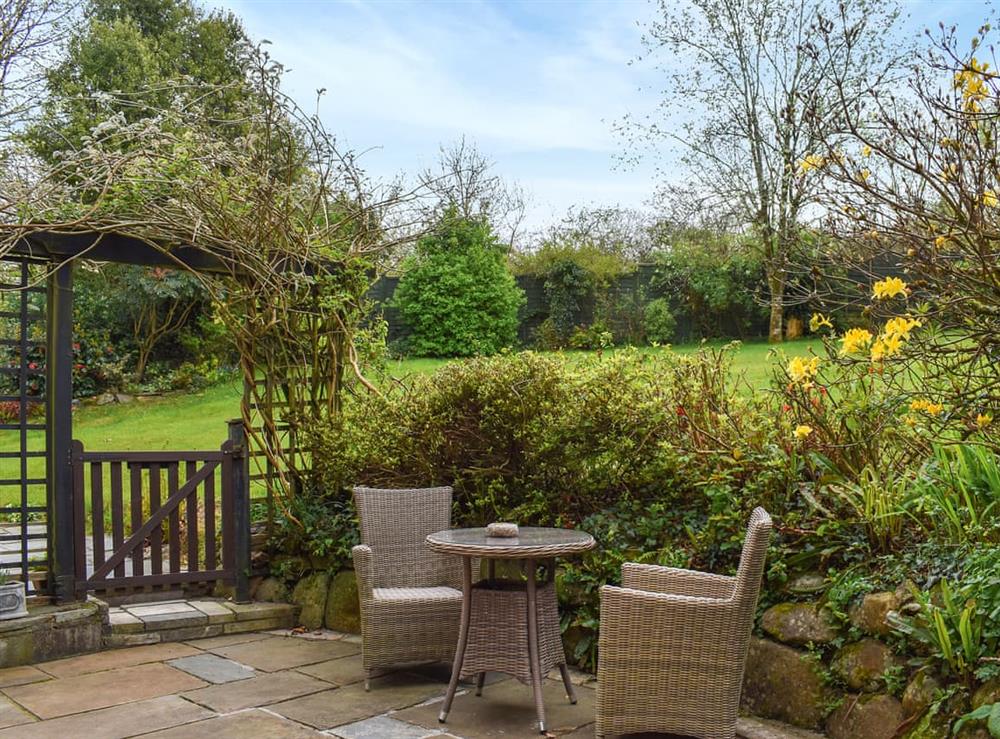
750	108
466	180
28	31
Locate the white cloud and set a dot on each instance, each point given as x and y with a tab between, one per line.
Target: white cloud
527	83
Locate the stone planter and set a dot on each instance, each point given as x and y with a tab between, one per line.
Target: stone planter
12	601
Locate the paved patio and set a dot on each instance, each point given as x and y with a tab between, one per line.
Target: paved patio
278	685
274	684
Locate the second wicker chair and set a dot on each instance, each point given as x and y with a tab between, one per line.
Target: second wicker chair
673	645
411	598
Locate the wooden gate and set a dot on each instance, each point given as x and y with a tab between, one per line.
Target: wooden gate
161	519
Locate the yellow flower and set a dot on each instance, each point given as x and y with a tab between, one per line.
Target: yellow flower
802	431
890	287
893	343
864	174
866	151
983	420
811	162
855	339
818	321
737	454
990	199
931	409
940	242
878	351
801	369
971	81
909	419
901	326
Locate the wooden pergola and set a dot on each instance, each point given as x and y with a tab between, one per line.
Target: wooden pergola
56	253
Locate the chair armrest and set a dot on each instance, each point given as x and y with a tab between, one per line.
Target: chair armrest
657	579
668	640
362	555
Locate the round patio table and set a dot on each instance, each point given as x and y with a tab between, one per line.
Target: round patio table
531	546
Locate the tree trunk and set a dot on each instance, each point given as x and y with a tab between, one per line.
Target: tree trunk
141	361
776	285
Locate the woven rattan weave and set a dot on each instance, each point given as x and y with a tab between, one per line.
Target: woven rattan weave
498	631
511	626
673	644
410	597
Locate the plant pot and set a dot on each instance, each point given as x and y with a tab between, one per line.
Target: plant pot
39	580
12	601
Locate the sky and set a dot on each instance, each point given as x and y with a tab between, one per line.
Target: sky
538	86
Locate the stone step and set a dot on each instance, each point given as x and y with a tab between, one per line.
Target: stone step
180	620
751	727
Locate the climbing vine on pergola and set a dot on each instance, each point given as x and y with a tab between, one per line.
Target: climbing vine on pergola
278	223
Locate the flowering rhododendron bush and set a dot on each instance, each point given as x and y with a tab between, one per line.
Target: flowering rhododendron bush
912	230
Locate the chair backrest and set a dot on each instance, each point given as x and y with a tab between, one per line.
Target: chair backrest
395	523
751	568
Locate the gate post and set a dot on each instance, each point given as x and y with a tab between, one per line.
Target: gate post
59	432
241	509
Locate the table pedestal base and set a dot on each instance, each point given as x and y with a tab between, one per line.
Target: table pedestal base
513	628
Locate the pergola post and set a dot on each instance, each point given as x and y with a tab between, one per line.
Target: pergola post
241	509
59	432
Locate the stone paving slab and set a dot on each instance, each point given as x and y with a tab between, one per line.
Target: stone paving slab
123	622
101	689
342	671
12	714
282	653
257	691
21	676
212	668
227	640
117	722
216	612
749	727
506	710
381	727
173	621
254	724
114	658
164	608
349	704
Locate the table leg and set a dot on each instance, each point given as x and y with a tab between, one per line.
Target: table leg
480	679
570	691
533	656
463	638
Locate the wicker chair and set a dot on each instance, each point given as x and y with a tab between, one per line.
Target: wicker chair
411	598
673	644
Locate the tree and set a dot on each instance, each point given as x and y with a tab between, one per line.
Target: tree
456	294
28	30
916	193
750	107
626	233
464	180
128	61
123	60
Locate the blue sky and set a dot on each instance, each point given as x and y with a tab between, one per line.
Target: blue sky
536	85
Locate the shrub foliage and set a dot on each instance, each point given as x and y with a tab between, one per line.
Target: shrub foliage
456	294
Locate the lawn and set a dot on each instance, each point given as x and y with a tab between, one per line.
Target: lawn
198	420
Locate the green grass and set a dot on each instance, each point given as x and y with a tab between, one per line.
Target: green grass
198	420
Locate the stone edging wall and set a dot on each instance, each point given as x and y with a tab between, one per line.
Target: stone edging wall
806	669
